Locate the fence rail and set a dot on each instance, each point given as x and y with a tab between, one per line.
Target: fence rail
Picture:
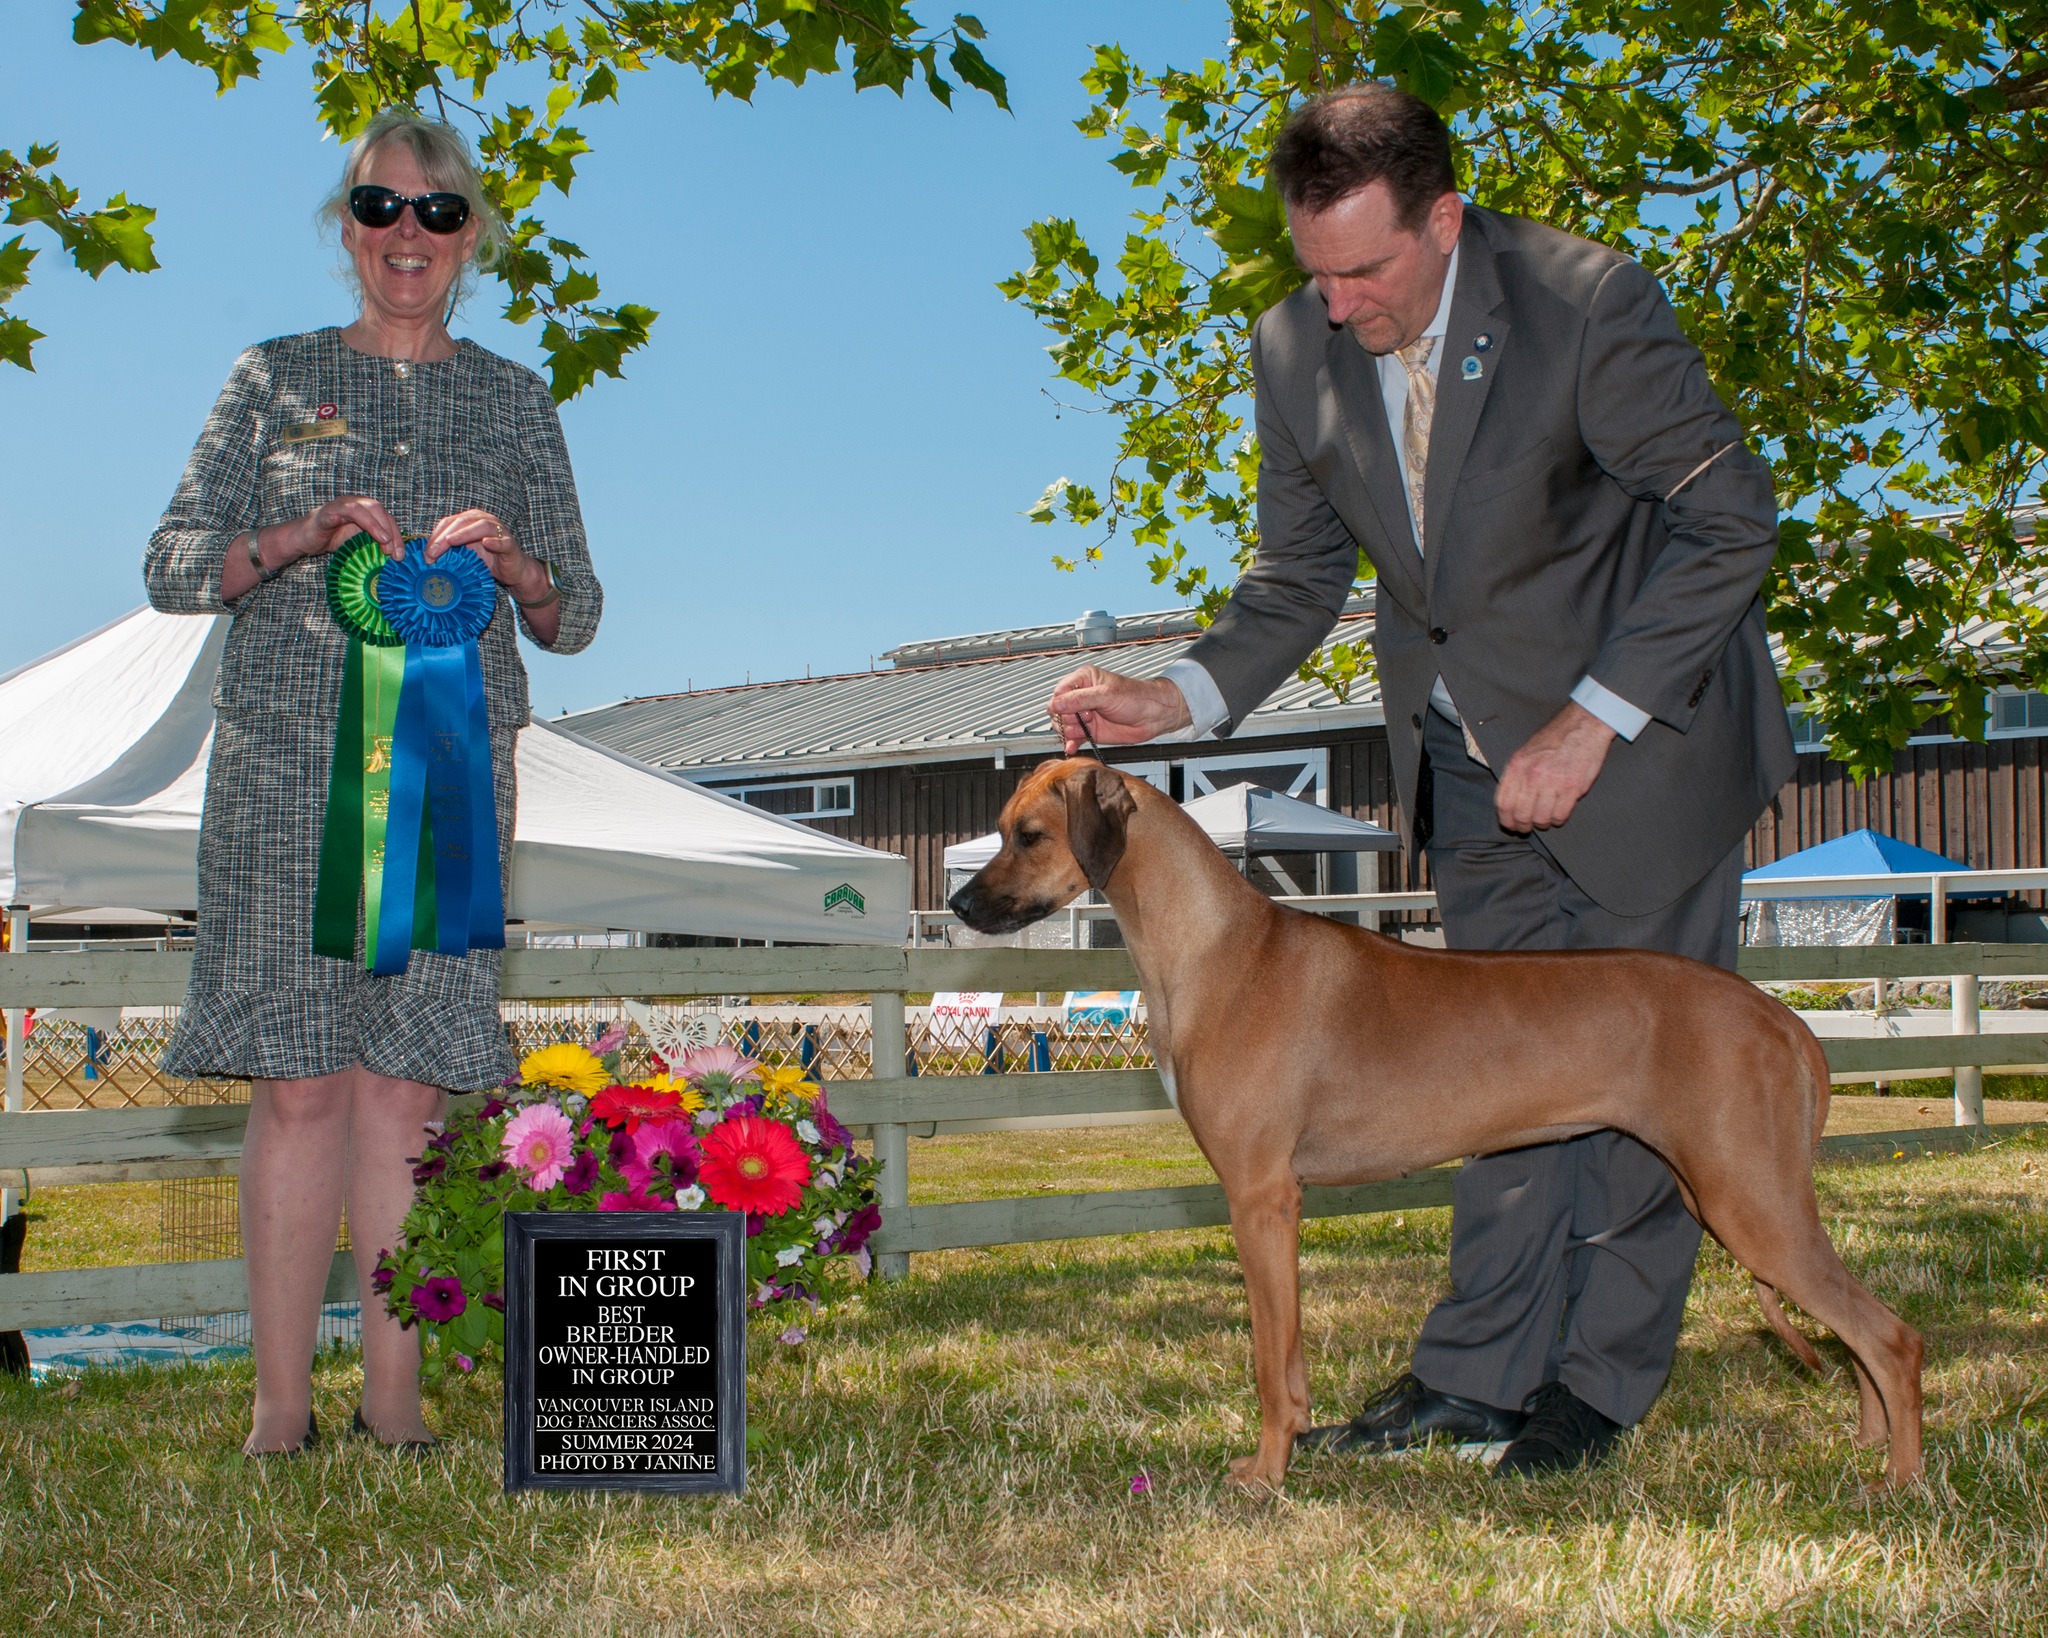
205	1139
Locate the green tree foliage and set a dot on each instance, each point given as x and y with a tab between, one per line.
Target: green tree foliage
117	234
443	57
1843	198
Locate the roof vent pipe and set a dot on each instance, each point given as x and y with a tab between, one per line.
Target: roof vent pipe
1095	627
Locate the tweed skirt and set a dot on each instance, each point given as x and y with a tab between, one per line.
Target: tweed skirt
261	1003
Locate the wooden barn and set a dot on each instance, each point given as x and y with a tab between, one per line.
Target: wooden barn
922	754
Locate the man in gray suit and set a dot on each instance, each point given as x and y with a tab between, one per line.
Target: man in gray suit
1569	537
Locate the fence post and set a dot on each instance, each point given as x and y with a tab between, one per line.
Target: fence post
17	1050
888	1057
1964	1020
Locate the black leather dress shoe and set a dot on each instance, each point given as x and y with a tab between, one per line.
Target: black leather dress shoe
1563	1432
1407	1413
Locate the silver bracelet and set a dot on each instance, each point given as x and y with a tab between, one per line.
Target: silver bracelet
256	558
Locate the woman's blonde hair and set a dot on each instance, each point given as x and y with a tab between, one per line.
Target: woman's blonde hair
443	159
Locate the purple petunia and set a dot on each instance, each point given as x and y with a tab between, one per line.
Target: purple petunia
581	1177
854	1232
380	1279
830	1133
492	1168
439	1299
492	1109
493	1299
622	1151
429	1168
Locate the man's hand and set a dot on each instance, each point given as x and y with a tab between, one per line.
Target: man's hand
1546	777
1120	710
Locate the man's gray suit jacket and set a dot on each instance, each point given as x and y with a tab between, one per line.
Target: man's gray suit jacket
1551	549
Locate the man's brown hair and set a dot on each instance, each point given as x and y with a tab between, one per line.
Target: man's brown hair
1335	144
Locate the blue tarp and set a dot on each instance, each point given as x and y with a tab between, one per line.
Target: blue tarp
1860	853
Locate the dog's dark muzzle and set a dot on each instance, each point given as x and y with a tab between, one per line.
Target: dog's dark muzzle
989	910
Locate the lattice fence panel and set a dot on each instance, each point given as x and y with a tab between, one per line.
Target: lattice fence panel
67	1066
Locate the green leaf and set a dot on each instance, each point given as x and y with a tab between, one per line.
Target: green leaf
17	337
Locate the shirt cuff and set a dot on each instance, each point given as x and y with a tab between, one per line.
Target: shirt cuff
1625	719
1204	700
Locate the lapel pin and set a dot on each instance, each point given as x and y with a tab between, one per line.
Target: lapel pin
1471	369
1483	342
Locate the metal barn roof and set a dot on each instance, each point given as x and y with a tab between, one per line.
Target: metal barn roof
946	709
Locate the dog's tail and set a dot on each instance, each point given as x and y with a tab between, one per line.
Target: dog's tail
1793	1337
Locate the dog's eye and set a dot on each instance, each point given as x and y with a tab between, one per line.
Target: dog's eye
1030	838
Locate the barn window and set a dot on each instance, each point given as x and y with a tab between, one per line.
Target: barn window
806	799
1809	733
2019	713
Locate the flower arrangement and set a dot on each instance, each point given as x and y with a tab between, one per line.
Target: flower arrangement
717	1131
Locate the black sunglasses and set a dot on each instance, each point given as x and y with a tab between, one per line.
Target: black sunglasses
376	207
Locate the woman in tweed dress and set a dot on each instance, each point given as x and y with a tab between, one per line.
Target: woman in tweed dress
393	427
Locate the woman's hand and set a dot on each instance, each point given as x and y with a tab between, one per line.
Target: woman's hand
320	531
523	576
324	528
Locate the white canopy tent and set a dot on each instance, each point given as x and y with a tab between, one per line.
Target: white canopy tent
1241	820
103	753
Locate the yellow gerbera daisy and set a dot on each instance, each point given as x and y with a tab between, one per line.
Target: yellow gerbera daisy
693	1100
567	1067
788	1083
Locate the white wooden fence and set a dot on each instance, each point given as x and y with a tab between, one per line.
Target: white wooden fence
118	1145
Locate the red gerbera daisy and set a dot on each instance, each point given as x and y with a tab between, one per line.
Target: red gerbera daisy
754	1165
628	1106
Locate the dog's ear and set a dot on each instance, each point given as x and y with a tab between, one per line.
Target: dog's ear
1098	807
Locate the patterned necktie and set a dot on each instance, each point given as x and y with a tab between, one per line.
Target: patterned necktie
1416	421
1415	424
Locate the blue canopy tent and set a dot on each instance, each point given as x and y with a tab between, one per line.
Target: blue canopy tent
1865	909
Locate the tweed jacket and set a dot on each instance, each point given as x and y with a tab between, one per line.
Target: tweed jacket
1562	539
425	439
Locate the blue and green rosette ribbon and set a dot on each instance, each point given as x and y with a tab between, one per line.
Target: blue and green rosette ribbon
411	830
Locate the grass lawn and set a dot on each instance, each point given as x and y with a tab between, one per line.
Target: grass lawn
956	1453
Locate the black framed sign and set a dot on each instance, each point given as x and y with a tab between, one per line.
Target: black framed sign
626	1351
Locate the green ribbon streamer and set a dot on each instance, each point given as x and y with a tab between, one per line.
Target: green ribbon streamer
359	778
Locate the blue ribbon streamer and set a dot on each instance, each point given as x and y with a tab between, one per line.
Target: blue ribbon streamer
440	758
487	895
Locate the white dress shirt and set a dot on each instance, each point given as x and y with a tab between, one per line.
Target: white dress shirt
1198	688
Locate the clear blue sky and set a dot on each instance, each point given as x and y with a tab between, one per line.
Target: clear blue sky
827	448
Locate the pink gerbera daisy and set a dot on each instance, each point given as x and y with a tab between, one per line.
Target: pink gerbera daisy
541	1143
716	1068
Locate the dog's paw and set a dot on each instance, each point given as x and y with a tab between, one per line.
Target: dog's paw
1247	1475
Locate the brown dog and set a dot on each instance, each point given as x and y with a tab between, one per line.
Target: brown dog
1271	1031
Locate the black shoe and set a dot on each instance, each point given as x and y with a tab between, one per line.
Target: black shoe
361	1429
1564	1432
1407	1413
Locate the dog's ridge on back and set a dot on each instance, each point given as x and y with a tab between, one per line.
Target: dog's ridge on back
1301	1050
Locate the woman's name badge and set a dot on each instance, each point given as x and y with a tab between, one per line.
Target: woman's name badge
326	425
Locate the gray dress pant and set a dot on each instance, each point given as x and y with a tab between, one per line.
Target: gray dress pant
1569	1261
